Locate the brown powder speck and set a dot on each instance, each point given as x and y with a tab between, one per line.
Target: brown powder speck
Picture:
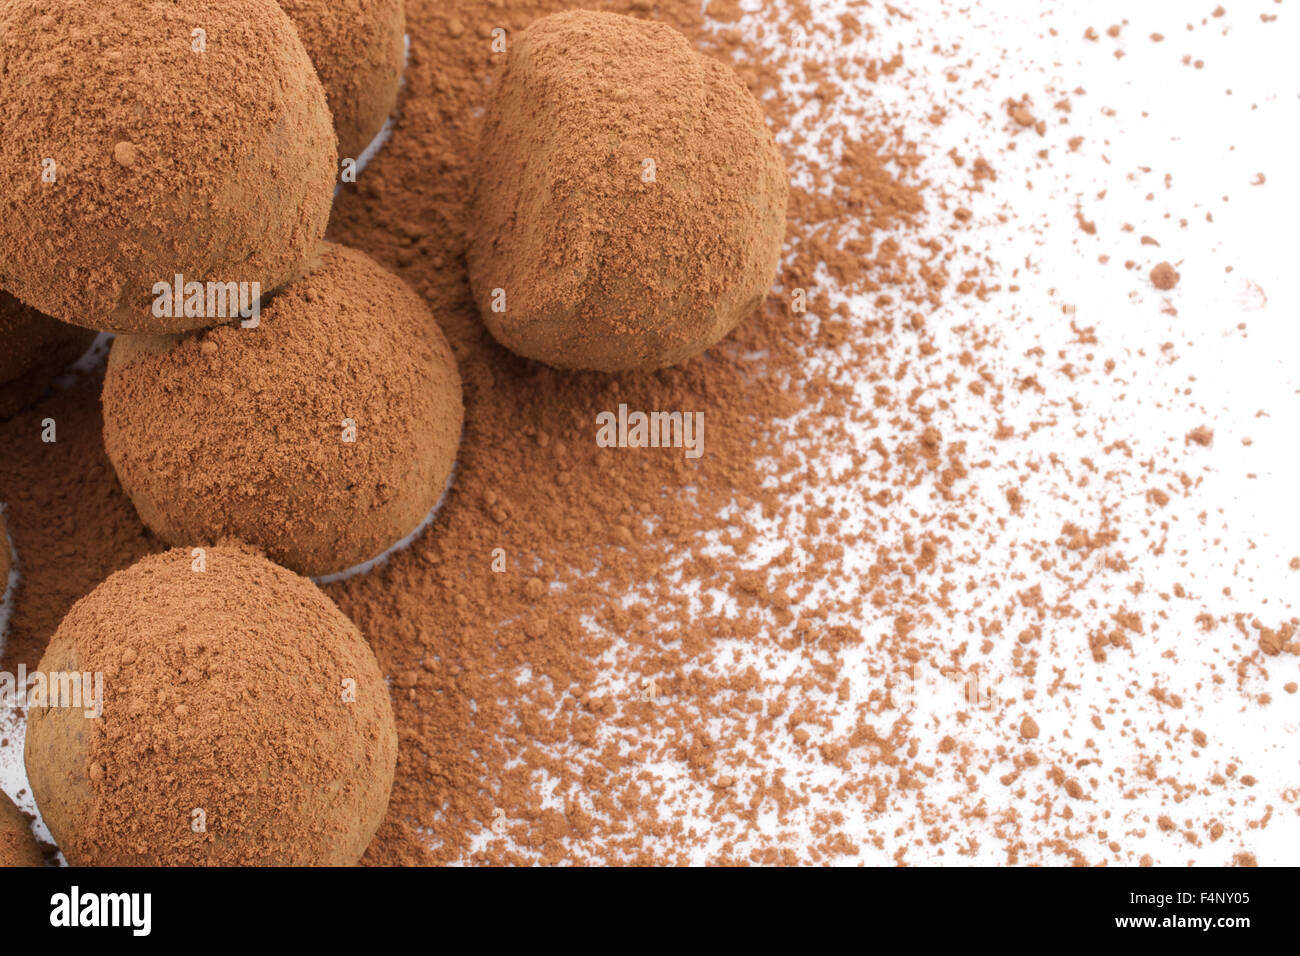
1164	276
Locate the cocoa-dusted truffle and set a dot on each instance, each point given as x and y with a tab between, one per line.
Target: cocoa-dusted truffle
358	47
17	845
324	436
153	139
33	349
244	721
629	200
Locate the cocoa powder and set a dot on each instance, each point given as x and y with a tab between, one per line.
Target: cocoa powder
1164	277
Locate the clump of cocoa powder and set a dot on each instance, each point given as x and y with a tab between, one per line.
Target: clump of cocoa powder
1164	276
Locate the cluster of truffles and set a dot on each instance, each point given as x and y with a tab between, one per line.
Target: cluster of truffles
270	397
277	406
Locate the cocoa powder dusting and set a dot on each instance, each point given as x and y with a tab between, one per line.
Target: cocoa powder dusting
916	601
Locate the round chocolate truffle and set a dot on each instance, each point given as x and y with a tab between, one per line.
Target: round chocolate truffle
629	200
323	436
33	349
358	47
156	139
244	721
17	845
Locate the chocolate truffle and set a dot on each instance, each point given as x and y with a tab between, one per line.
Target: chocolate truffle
629	200
323	436
245	721
153	139
358	47
17	845
33	349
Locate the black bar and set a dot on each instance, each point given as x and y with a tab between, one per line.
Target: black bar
929	906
